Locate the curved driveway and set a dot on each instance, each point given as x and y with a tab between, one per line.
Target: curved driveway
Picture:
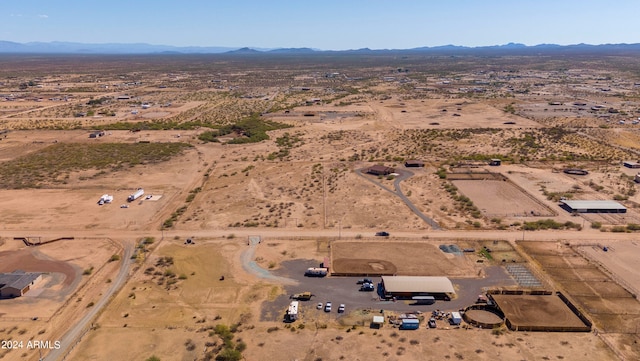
403	174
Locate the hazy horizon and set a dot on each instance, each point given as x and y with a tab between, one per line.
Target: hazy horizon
331	25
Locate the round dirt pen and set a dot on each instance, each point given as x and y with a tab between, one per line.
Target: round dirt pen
483	316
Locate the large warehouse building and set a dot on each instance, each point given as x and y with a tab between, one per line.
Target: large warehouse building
596	206
412	286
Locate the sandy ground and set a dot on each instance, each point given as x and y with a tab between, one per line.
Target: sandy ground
620	260
242	194
501	199
409	258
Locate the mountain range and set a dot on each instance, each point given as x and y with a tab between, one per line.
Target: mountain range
56	47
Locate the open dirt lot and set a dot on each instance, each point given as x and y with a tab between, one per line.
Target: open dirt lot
501	199
537	312
405	258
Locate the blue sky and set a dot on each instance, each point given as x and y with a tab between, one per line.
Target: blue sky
326	24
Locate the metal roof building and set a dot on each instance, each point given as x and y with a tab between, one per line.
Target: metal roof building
409	286
380	170
593	206
17	283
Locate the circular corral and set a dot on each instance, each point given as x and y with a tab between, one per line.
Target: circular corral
483	316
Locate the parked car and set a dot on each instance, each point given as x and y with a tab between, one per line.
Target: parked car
124	206
367	287
432	323
327	307
382	234
363	281
319	306
149	196
341	308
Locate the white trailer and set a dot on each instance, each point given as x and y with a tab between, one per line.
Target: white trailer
316	272
105	199
292	312
138	193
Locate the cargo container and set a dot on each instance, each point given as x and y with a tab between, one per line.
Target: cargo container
138	193
410	324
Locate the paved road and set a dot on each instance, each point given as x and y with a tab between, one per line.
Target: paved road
72	336
249	265
403	174
587	235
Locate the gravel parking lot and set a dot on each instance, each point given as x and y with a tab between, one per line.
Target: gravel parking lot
345	290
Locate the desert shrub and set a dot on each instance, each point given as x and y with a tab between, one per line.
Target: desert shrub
148	240
549	224
51	164
229	354
633	227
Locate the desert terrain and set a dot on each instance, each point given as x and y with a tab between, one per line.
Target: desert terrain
254	168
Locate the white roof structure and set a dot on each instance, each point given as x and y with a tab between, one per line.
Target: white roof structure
594	205
417	284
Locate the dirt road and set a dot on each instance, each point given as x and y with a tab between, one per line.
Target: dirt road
586	236
73	335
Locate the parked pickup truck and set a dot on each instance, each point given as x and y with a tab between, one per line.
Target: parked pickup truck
303	296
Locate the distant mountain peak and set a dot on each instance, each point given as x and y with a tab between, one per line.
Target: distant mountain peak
61	47
244	50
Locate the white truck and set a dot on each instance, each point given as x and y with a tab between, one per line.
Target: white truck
138	193
105	199
292	312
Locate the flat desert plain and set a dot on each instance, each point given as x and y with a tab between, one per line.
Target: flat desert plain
254	174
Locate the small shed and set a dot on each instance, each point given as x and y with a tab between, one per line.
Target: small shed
631	164
377	322
414	163
456	318
495	162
